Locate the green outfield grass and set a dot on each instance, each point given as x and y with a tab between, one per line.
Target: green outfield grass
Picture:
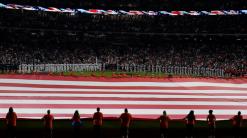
110	74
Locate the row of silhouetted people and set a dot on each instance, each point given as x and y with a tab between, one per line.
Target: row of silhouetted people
191	121
48	119
126	119
97	123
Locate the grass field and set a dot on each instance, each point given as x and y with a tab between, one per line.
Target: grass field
120	74
110	74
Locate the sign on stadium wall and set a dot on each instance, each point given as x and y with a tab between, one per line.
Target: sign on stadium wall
122	12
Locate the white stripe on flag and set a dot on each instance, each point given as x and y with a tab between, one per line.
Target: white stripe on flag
122	95
110	102
119	111
93	83
119	90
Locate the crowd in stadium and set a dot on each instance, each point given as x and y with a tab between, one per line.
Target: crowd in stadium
170	54
42	38
119	23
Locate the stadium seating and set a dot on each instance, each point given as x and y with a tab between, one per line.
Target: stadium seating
215	42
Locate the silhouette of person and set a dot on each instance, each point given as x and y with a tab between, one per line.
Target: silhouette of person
76	124
190	122
11	119
97	123
237	124
126	119
48	124
211	119
164	120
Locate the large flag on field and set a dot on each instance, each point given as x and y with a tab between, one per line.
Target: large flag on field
32	95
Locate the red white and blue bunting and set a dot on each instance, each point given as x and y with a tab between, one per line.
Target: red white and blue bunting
123	12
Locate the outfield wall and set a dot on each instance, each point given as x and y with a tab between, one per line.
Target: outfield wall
172	70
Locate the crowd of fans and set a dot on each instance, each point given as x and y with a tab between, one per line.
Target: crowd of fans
184	54
216	42
120	23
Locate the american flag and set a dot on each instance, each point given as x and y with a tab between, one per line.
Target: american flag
32	95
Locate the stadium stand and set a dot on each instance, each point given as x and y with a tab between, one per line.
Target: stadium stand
129	24
209	45
214	42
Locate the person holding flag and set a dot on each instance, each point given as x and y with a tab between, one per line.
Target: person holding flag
237	121
97	123
126	119
10	119
211	119
76	124
48	124
164	120
190	123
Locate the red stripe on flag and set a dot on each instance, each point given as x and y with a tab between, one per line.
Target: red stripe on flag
146	93
119	99
134	79
116	116
130	106
121	87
